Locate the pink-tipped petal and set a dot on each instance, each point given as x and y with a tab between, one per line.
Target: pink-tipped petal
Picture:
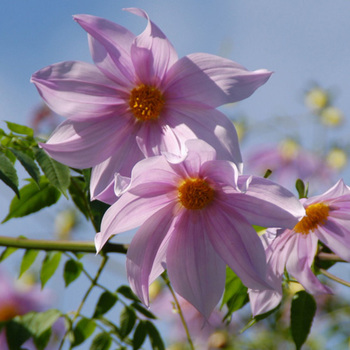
152	52
110	46
212	80
196	271
147	252
78	90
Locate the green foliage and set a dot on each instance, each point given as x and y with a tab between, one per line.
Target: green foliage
49	266
8	173
102	341
72	270
154	336
33	199
28	259
106	301
127	321
20	129
302	188
140	335
78	192
303	310
83	330
16	334
6	253
127	293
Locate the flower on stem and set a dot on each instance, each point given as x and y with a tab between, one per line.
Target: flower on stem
138	100
195	214
327	219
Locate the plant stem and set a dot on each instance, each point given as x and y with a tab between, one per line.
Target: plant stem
179	310
329	257
93	284
334	278
67	246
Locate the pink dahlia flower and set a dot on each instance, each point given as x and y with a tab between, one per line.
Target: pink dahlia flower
138	100
327	219
195	214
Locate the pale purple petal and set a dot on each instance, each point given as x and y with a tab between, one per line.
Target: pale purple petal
152	53
78	91
85	144
339	189
147	251
208	125
212	80
196	271
110	46
237	243
299	264
339	207
262	301
266	203
335	234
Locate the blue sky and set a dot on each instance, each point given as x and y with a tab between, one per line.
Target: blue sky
301	41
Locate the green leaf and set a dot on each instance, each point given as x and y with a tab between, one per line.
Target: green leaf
98	209
72	270
236	294
83	330
28	259
127	293
42	340
8	173
143	310
33	199
20	129
303	310
154	336
16	334
301	188
102	341
127	321
139	335
79	195
105	303
39	322
49	266
6	253
28	164
57	173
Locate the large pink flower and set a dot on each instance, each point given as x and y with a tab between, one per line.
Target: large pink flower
327	219
195	214
138	100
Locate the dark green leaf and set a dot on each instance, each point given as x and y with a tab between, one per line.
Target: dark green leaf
98	209
102	341
33	199
49	266
303	310
72	270
127	293
154	336
258	318
236	294
83	330
79	195
301	188
7	252
139	335
8	174
20	129
143	310
268	172
27	260
43	339
16	334
28	164
105	303
127	321
57	173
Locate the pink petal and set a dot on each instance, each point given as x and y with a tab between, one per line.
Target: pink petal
262	301
266	203
212	80
110	46
237	243
339	189
152	53
85	144
299	264
195	270
208	125
78	90
147	252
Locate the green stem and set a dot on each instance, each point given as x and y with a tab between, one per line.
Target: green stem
93	284
67	246
334	278
179	310
329	257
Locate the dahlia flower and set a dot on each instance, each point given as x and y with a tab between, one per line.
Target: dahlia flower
327	219
195	214
138	100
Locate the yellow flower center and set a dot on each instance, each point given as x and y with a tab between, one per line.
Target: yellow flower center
195	193
316	214
8	311
146	102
